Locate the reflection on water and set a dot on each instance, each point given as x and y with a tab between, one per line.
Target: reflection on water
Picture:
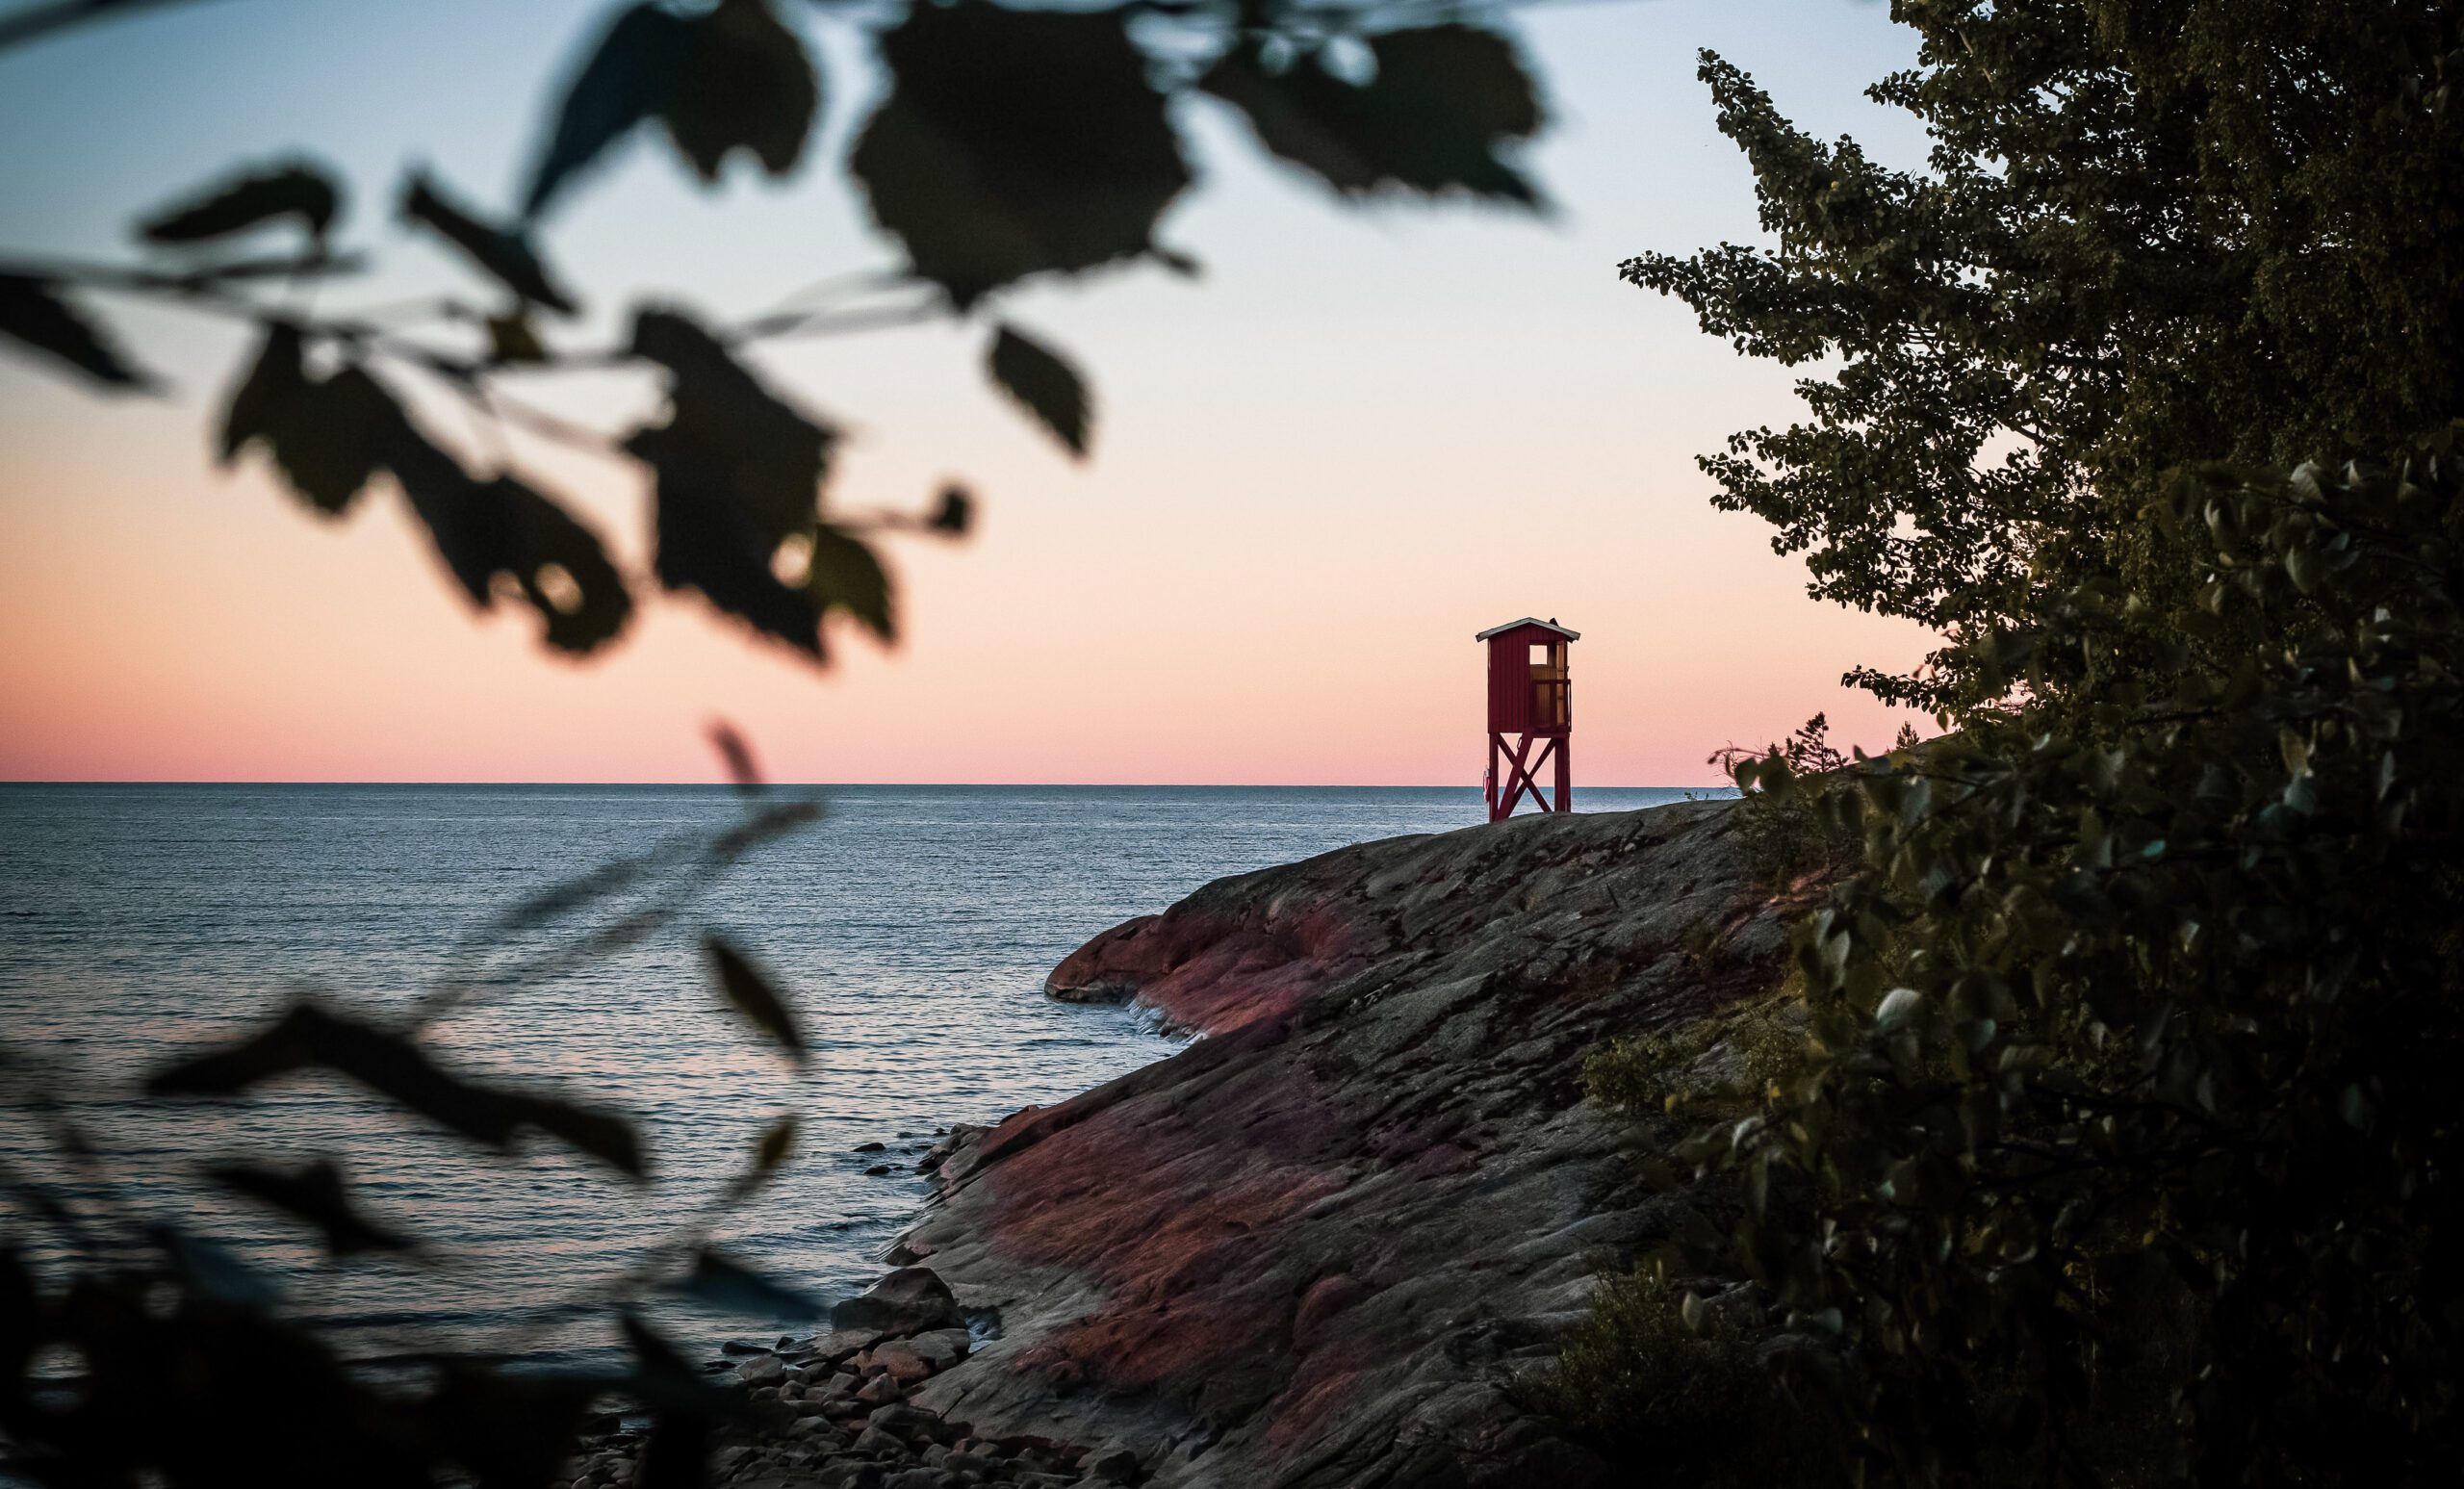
914	928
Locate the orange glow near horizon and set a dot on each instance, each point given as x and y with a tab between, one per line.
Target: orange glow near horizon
1317	473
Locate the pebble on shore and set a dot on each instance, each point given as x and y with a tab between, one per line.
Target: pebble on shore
837	1415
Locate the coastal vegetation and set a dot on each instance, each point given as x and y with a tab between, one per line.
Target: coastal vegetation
2096	1125
1655	1363
1798	833
2125	1146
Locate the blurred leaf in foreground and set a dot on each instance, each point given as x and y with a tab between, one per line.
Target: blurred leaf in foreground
1016	142
325	434
487	529
738	483
1444	102
314	1193
730	78
723	1283
505	255
393	1066
1043	383
34	313
750	992
294	190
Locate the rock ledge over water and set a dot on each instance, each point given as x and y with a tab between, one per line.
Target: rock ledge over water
1317	1246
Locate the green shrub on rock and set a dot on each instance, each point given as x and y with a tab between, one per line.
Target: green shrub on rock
1797	831
1661	1375
1737	1053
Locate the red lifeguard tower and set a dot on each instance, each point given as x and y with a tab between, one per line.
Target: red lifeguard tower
1530	697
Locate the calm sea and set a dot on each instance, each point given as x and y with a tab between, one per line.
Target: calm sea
913	928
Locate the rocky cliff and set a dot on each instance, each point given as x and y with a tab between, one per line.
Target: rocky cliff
1318	1245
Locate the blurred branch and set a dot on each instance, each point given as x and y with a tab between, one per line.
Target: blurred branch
36	23
824	322
206	279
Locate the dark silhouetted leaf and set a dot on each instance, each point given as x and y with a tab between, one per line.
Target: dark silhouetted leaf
845	573
730	78
629	930
737	755
686	1409
777	1141
573	894
262	399
20	1302
770	822
513	339
677	1453
955	512
739	478
502	527
651	1353
1016	142
294	190
732	1286
509	1429
504	255
32	312
331	442
281	1049
749	991
314	1193
1044	382
395	1066
1443	101
214	1272
663	1381
327	435
629	78
602	1135
744	82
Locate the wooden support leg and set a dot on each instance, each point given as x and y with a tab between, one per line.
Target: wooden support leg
1489	782
1532	773
1519	767
1505	788
1521	773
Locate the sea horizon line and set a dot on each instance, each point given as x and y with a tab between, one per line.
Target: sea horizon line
1472	788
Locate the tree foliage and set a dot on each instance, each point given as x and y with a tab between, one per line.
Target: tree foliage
2127	1133
2137	1039
1011	146
2145	234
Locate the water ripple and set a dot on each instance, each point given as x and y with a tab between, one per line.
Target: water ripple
913	928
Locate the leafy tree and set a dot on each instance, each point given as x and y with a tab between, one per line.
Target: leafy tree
2130	1126
1011	146
2145	234
2125	1150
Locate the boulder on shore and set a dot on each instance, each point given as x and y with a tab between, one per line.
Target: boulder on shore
909	1300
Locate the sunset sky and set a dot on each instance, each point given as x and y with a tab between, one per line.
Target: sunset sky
1358	439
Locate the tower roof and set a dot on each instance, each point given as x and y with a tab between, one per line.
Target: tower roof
1547	625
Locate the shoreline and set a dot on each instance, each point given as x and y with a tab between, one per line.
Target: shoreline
1328	1241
